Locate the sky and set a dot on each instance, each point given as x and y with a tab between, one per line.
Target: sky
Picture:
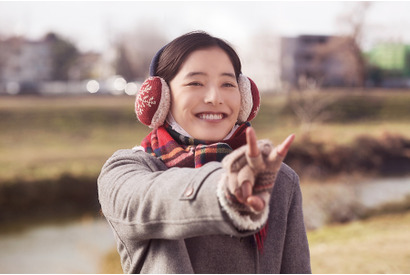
91	24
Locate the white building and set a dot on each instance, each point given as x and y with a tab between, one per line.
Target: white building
25	61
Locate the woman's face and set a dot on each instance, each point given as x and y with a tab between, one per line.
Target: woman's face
205	98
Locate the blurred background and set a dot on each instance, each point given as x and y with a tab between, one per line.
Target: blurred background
335	73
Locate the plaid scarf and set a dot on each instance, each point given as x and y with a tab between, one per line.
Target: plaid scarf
176	150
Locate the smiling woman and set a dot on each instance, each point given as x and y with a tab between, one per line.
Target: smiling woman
197	196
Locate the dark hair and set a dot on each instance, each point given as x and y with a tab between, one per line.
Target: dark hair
175	53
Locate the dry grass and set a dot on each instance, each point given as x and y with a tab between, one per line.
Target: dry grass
377	245
43	137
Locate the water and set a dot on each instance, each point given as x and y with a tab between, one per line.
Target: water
374	193
75	247
344	202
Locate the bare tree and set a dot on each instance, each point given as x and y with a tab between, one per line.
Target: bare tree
353	24
339	60
310	104
135	50
341	57
2	58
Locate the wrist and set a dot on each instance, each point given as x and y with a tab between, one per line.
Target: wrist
240	215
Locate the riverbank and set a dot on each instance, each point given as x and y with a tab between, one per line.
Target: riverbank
66	196
317	168
350	199
54	147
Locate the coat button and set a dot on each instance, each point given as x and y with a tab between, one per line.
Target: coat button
189	191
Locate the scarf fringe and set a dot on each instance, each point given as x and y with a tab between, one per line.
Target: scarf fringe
261	237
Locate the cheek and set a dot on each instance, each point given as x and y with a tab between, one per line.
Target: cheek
180	103
236	102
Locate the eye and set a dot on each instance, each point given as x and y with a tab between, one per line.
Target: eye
195	83
229	85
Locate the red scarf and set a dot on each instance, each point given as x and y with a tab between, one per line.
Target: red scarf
176	150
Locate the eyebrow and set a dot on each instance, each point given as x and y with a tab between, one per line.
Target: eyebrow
191	74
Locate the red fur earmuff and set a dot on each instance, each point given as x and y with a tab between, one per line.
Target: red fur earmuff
153	102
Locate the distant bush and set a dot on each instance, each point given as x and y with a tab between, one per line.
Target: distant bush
68	195
388	155
349	106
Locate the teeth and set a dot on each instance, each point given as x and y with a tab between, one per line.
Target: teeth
210	116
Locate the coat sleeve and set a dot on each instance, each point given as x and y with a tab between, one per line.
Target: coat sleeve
296	255
143	199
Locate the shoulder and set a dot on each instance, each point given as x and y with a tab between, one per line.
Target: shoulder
288	174
135	156
135	152
287	182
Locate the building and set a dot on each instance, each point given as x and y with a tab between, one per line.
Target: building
27	67
320	59
24	62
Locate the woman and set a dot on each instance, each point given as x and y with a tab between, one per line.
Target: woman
201	194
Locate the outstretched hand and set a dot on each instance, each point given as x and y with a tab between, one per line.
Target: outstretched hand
244	193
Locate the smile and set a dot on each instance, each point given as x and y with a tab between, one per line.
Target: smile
207	116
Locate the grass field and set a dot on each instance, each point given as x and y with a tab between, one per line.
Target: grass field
44	137
377	246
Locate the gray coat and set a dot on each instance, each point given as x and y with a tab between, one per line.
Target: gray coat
169	220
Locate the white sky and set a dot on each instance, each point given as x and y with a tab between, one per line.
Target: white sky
89	24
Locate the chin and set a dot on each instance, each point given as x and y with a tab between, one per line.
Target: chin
211	138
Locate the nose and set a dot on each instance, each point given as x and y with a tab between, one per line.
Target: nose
213	96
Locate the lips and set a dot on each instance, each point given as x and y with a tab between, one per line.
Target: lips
211	116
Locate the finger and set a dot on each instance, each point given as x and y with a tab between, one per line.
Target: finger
253	150
246	190
242	193
232	182
255	203
253	155
283	148
238	195
246	175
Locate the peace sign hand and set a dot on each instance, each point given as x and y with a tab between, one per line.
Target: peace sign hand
252	172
